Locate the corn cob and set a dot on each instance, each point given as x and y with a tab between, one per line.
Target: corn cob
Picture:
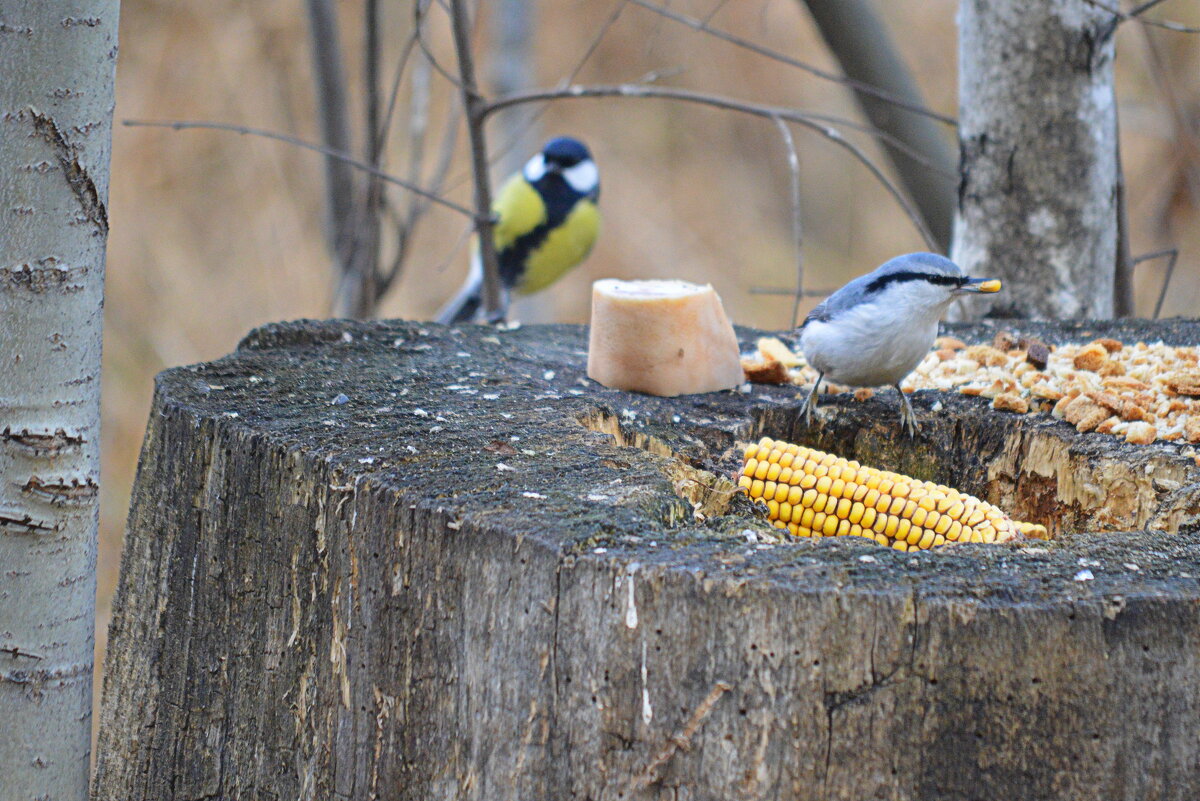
814	494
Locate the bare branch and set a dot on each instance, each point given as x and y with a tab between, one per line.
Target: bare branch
775	55
1136	14
688	96
180	125
335	126
797	223
476	112
1172	255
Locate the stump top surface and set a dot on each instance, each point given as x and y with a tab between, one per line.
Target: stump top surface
485	427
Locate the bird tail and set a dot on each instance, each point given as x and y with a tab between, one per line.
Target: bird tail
464	306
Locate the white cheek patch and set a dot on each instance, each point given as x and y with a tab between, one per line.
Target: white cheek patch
583	177
535	168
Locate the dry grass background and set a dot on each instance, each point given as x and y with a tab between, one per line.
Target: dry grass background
214	233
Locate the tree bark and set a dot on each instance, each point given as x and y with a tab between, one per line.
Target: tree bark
1038	188
410	562
56	99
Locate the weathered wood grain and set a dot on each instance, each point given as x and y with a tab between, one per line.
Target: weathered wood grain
389	561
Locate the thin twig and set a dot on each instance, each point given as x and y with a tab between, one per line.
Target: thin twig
1172	255
180	125
790	291
1136	14
797	223
775	55
689	96
681	740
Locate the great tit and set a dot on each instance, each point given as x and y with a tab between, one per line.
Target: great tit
546	223
876	329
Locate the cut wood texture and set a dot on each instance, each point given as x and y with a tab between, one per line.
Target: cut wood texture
403	561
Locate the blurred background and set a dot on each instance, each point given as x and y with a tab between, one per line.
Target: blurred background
214	233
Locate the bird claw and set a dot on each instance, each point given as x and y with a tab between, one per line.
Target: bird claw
908	419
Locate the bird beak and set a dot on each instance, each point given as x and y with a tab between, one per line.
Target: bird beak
981	285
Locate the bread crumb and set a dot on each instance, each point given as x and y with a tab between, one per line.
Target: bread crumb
774	348
1090	357
986	355
1010	402
765	372
1107	426
1109	344
863	393
1141	433
948	343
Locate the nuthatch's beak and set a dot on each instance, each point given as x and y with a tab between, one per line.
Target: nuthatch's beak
980	285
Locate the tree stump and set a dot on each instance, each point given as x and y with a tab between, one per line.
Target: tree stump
402	561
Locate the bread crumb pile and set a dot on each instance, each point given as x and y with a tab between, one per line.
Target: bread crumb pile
1141	392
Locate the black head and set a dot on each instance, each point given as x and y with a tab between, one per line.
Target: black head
564	152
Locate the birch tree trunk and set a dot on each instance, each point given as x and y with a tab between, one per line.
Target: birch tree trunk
56	100
1038	198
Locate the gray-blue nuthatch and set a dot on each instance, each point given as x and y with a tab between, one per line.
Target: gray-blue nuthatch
876	329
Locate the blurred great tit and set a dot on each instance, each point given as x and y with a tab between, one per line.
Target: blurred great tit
546	223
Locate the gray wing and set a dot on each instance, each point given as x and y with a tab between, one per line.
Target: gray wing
847	297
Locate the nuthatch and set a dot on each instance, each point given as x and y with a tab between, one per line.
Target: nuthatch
876	329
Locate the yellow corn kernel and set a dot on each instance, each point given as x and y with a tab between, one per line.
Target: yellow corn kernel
843	527
868	518
818	521
891	526
785	512
900	545
897	506
793	529
801	531
751	466
756	489
860	491
871	498
927	540
749	452
761	470
773	471
831	525
830	505
785	476
806	517
781	492
856	512
914	536
883	503
903	526
794	495
810	498
773	507
928	503
837	488
989	534
954	530
944	503
900	490
779	524
976	518
886	485
910	506
823	485
938	539
769	490
745	481
943	525
956	511
881	522
809	481
844	506
873	481
918	516
882	540
857	531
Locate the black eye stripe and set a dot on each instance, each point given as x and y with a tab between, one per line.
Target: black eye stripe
932	278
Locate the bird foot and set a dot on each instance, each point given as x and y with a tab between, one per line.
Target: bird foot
908	419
